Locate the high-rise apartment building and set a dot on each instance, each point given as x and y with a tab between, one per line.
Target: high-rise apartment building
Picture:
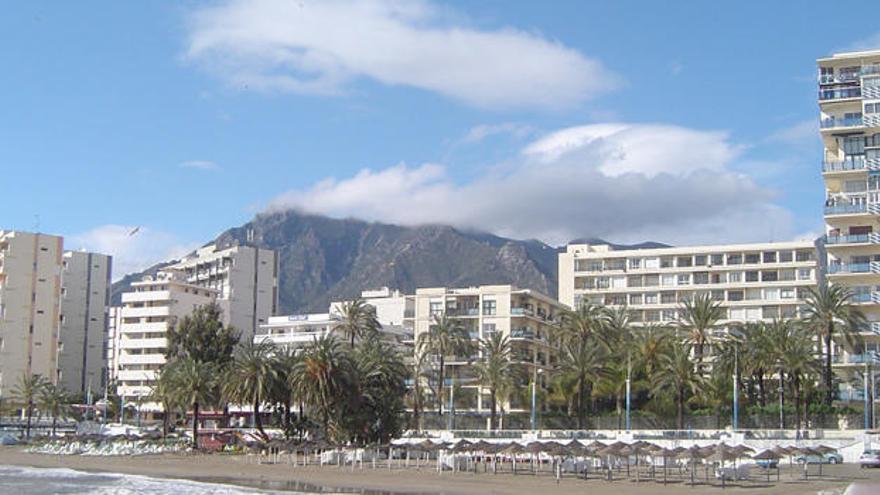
30	288
849	107
245	278
752	282
85	299
528	318
112	341
154	305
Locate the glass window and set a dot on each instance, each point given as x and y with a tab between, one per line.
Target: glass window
635	299
734	259
668	280
734	277
785	256
436	308
684	279
804	274
735	295
769	276
488	329
489	308
787	293
769	256
752	258
752	276
652	316
769	312
717	295
668	315
717	259
652	280
684	261
668	298
666	262
635	263
719	278
651	298
701	278
805	256
634	281
700	260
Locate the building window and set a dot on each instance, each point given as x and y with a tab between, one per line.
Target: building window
635	263
684	279
717	259
769	256
700	260
489	308
651	298
436	308
752	258
752	276
769	276
684	261
735	295
667	298
488	329
701	278
805	256
635	299
804	274
668	315
734	277
785	257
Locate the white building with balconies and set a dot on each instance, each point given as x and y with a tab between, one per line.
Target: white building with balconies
849	108
154	306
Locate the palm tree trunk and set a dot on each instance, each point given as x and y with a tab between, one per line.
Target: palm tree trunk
195	425
258	421
781	399
829	394
440	387
30	412
796	382
580	402
679	399
54	423
762	393
492	405
619	408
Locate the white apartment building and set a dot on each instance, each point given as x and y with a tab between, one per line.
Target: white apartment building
52	311
30	309
85	299
751	281
849	107
112	341
245	278
528	318
153	306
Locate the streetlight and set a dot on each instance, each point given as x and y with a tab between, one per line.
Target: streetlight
735	387
535	397
628	389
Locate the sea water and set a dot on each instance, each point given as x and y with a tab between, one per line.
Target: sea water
16	480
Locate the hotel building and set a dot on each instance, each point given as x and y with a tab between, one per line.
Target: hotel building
528	318
245	279
752	282
85	300
849	108
154	306
53	308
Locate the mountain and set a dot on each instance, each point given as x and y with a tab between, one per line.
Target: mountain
325	259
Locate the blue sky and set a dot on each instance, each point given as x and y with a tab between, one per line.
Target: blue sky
682	122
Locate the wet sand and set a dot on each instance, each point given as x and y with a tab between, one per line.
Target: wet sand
239	470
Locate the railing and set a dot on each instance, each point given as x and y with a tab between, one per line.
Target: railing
847	239
839	94
854	163
521	312
844	122
845	209
850	268
838	78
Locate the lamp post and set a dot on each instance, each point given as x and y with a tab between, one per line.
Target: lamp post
628	390
534	419
735	387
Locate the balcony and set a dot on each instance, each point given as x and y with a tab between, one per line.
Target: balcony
839	94
873	238
850	268
852	163
841	123
846	209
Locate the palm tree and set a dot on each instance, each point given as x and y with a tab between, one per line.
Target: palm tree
380	374
494	370
755	359
195	383
649	344
828	313
584	323
791	349
445	337
613	383
677	376
250	378
54	400
26	391
698	318
165	392
283	363
419	371
585	361
321	377
357	320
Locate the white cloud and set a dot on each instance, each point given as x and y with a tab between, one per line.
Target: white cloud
871	42
624	182
480	132
199	165
321	47
133	248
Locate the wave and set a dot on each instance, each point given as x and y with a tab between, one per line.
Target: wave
33	481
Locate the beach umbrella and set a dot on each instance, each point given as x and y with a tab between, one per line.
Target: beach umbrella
512	450
769	455
693	454
720	454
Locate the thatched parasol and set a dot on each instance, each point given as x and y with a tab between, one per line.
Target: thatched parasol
769	455
693	454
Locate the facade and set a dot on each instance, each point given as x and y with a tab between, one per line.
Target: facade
245	279
153	306
849	107
30	288
752	282
85	299
528	318
112	342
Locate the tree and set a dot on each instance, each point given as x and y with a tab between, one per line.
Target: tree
377	405
202	336
283	363
358	319
584	361
165	391
250	379
27	391
698	318
494	370
677	376
419	371
791	351
649	345
195	382
321	377
829	313
54	400
445	337
584	323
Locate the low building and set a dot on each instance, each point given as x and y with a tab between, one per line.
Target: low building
528	318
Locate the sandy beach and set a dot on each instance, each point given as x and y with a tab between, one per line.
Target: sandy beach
237	470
